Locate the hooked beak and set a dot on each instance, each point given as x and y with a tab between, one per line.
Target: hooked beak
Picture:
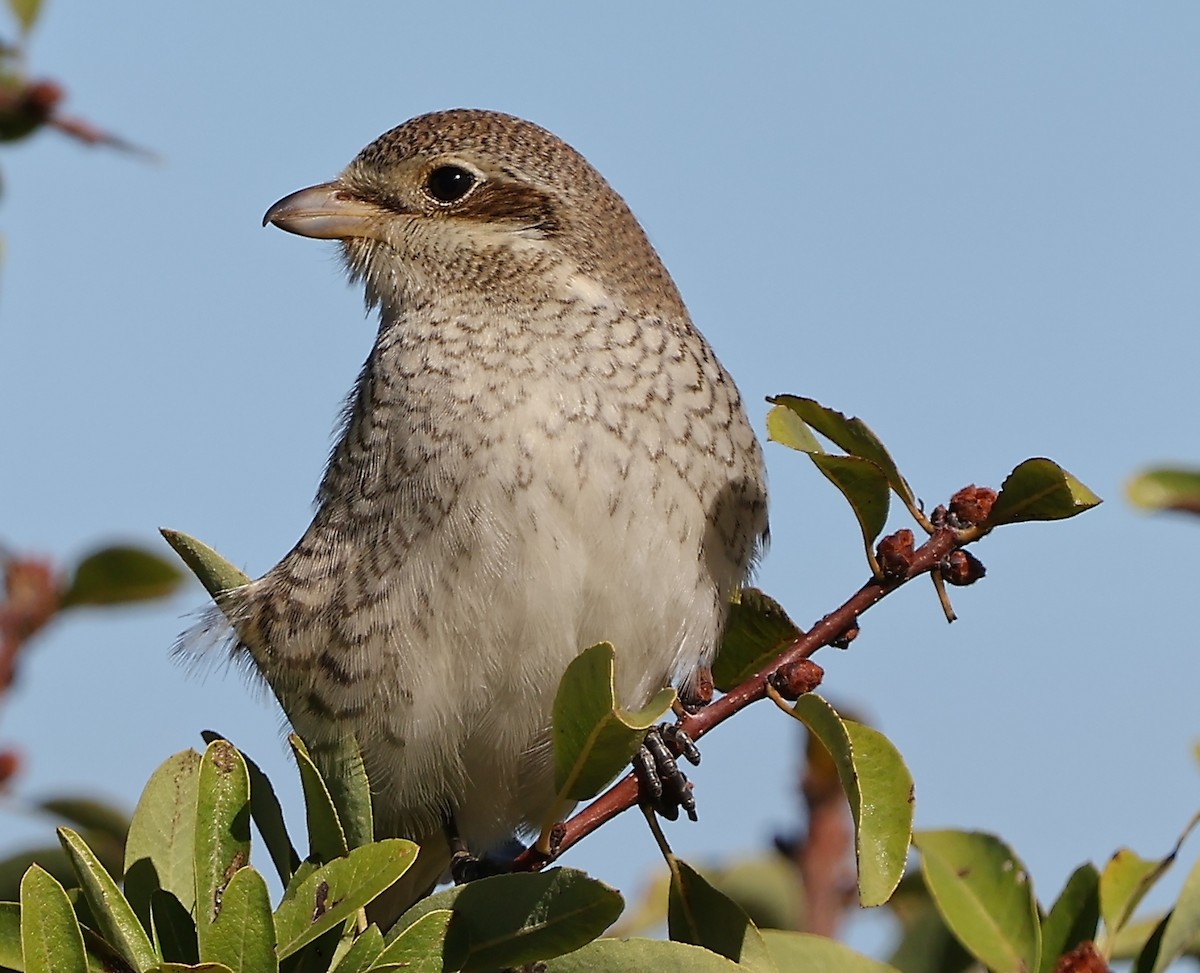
325	212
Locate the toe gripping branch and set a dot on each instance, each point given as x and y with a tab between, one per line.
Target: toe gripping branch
662	785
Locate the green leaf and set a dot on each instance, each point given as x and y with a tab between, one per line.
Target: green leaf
197	968
1183	925
817	954
594	738
698	914
984	893
879	789
342	770
10	936
88	814
362	953
267	815
1124	882
1040	489
927	946
158	851
850	434
326	838
26	12
1127	878
1130	943
100	960
114	917
243	934
765	887
51	941
222	844
116	575
213	571
1166	489
865	487
788	429
1073	917
641	956
757	630
508	920
336	891
50	858
1147	958
173	929
420	947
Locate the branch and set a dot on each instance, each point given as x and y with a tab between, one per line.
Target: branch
834	626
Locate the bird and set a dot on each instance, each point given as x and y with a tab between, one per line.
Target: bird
541	452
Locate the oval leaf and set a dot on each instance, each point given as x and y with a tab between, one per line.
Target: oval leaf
10	934
509	920
757	630
51	940
326	838
222	841
88	814
1166	489
1073	917
1125	880
334	892
211	570
340	764
698	914
879	789
158	852
267	815
594	738
850	434
817	954
865	487
984	893
243	934
114	917
788	429
1183	925
628	955
1040	489
1128	877
120	574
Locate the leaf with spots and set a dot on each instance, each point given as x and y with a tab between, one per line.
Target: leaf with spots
334	892
985	896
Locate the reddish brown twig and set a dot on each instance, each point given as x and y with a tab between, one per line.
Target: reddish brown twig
31	595
26	106
623	794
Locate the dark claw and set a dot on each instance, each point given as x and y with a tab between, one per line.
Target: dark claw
649	783
687	749
464	866
662	785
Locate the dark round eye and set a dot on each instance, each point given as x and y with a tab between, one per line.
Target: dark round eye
448	184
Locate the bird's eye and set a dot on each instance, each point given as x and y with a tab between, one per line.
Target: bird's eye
448	184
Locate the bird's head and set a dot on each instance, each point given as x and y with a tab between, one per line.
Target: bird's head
482	204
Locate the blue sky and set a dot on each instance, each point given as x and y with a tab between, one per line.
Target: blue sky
974	226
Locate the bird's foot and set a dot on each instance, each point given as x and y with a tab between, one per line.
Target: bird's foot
661	784
466	867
